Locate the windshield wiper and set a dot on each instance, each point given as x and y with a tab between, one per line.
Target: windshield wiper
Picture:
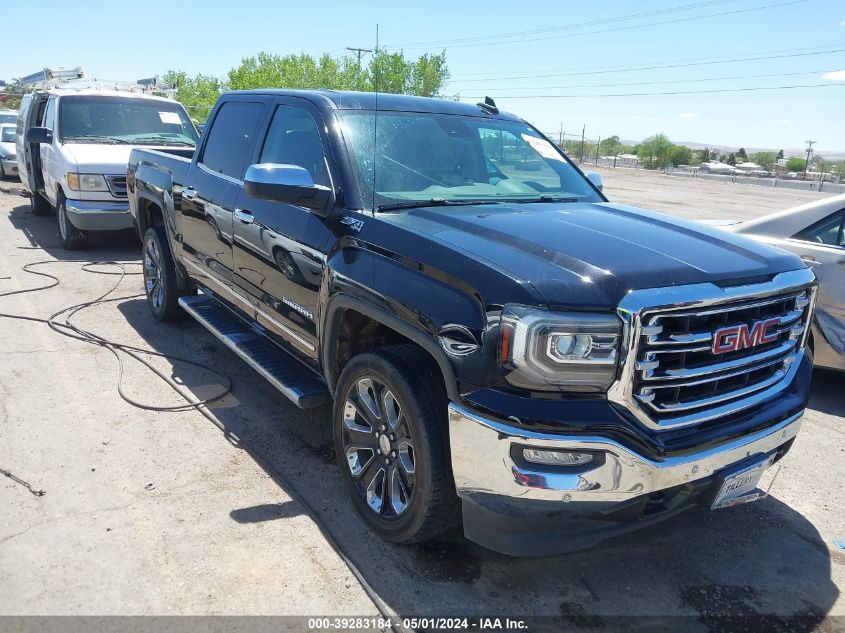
161	140
545	198
94	138
432	202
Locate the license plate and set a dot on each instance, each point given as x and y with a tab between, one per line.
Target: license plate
741	486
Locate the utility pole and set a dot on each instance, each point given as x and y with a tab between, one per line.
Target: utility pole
560	136
807	162
359	52
597	151
583	131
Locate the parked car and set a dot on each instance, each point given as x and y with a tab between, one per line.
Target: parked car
502	346
8	116
816	233
73	147
8	163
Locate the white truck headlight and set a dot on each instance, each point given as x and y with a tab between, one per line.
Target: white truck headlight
86	182
558	351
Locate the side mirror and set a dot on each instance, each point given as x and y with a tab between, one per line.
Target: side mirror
39	135
290	184
595	178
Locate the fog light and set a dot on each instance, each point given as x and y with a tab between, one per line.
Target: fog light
555	458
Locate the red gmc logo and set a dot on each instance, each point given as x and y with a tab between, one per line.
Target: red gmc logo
736	337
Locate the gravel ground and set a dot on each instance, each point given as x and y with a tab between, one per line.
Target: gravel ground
157	513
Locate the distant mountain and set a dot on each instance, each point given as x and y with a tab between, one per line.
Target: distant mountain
787	151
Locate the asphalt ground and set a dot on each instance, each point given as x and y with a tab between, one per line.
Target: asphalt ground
159	513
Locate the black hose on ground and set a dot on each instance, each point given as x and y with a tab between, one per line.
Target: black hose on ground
61	323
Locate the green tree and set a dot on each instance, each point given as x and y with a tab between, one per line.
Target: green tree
780	155
705	155
655	152
10	98
611	146
742	155
387	72
795	163
197	93
731	160
682	155
764	159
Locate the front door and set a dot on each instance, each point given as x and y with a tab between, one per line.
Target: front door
208	198
279	249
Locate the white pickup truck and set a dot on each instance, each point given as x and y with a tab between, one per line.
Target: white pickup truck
73	147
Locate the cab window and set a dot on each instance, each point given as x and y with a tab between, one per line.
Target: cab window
294	139
830	231
230	137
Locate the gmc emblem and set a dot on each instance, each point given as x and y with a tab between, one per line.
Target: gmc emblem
736	337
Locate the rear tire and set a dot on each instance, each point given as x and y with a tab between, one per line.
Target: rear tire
38	205
390	440
71	237
160	283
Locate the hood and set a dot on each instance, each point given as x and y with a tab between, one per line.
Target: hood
592	254
106	158
7	149
99	159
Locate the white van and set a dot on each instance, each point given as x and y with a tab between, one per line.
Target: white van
73	147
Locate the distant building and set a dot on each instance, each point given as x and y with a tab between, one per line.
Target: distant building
716	167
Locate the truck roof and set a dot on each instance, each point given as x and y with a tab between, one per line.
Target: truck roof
350	100
103	92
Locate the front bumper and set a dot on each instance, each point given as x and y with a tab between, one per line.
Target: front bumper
100	215
527	509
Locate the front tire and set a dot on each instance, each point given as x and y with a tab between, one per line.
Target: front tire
390	439
160	283
72	238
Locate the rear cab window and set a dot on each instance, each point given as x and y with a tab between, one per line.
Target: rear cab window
230	136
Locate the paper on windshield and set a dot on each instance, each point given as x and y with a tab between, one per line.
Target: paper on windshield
542	147
170	117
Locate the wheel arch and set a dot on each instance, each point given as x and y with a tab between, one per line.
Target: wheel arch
332	358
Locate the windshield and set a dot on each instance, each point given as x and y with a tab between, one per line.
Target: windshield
7	134
448	158
10	117
100	119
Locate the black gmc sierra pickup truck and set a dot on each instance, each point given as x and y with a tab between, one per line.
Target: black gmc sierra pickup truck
504	347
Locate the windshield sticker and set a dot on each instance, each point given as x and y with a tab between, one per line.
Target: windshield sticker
541	146
170	117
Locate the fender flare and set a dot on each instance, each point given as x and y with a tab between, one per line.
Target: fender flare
331	332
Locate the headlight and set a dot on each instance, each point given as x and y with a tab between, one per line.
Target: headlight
86	182
558	351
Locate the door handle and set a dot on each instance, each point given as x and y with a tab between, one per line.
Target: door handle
812	263
189	192
244	216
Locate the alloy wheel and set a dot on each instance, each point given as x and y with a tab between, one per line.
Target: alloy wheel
379	448
153	275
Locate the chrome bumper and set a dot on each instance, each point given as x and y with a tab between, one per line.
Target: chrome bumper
99	215
484	468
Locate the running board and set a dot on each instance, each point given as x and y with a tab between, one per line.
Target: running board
274	364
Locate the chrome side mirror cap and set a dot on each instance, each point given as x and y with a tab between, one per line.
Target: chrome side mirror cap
290	184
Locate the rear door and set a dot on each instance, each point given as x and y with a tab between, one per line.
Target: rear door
29	155
279	249
209	192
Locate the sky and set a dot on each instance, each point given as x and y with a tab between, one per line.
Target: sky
562	66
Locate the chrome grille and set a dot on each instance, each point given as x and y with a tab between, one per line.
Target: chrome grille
117	185
677	373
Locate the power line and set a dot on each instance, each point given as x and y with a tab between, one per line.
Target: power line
632	16
620	28
655	94
667	81
662	66
359	52
688	59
